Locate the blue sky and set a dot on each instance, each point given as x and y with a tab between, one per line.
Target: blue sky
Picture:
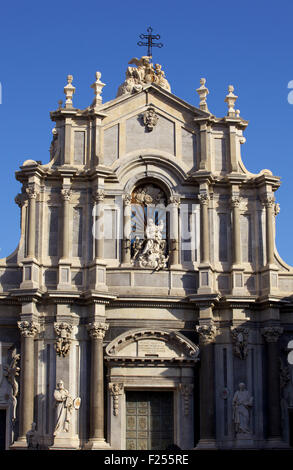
247	44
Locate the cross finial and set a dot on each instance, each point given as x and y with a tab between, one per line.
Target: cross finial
150	38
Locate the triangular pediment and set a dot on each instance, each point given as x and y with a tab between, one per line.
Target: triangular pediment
159	95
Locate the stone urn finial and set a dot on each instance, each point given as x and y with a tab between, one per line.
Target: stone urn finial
69	90
97	87
203	92
230	100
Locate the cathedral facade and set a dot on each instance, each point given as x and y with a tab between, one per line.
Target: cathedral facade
146	304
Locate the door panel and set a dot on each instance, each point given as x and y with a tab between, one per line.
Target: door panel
149	420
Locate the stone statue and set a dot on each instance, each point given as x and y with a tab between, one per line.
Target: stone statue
153	256
64	406
143	74
11	372
242	403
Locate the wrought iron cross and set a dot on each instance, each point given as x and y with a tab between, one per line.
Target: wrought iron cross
150	38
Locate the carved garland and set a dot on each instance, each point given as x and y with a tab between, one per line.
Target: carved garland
116	389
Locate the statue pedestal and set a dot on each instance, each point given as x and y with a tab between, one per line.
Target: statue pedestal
63	442
244	441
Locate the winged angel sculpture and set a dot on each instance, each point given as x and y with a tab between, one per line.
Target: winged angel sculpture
143	74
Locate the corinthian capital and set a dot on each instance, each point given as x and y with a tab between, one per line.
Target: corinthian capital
66	194
272	333
235	201
175	200
28	329
207	333
127	199
268	201
203	198
97	330
31	192
98	195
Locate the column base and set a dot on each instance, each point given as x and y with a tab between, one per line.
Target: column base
96	444
20	444
276	443
206	444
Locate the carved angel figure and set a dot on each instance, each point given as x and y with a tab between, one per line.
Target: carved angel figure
143	74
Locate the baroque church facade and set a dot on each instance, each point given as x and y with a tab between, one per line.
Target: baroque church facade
146	304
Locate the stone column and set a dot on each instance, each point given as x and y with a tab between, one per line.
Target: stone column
205	252
66	194
272	335
97	332
207	334
126	247
269	204
235	202
31	242
174	230
28	330
99	223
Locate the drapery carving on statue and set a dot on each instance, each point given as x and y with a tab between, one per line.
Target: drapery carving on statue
11	372
64	404
242	404
145	73
143	344
150	253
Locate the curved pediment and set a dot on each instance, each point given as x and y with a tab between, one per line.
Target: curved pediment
143	344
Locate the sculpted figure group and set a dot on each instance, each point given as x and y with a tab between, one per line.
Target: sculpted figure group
143	74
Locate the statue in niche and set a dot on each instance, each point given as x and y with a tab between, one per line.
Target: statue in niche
242	404
153	254
64	406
